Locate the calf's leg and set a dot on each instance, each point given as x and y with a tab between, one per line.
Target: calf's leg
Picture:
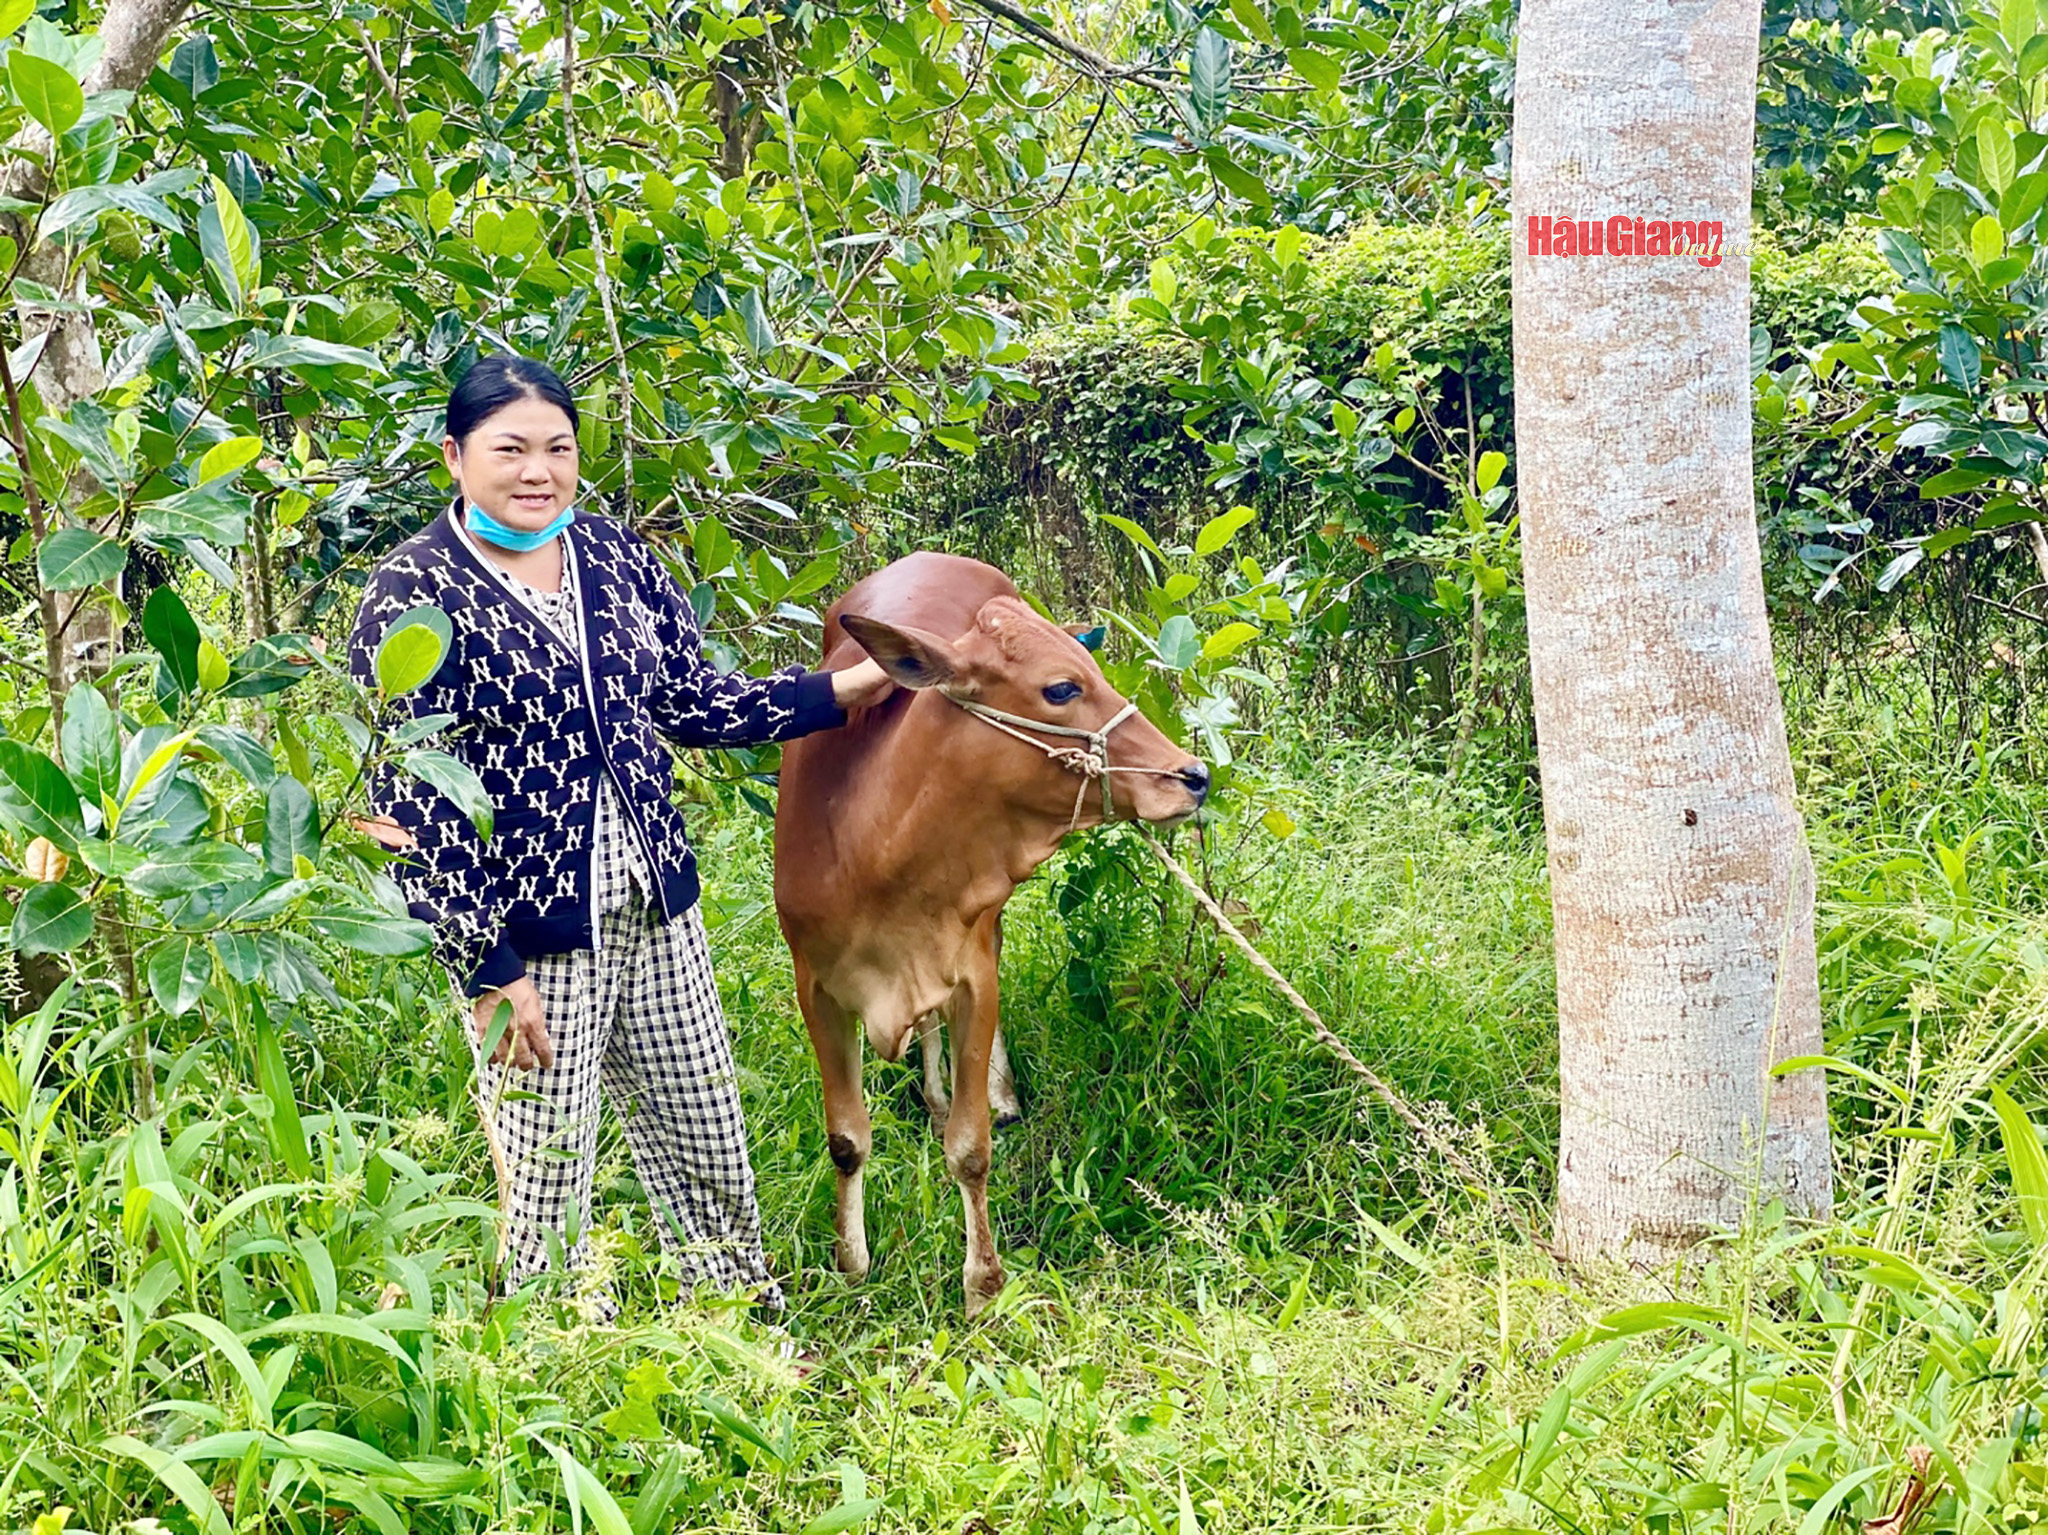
973	1013
847	1131
1002	1081
931	1051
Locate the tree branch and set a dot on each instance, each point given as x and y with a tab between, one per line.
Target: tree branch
597	246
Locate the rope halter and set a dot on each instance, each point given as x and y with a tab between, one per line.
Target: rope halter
1089	762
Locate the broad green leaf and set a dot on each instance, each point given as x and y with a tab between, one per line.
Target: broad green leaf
297	353
759	329
1133	532
1987	240
91	741
213	666
1491	464
1316	67
155	763
46	90
168	626
374	932
36	799
51	919
1164	284
179	969
2028	1164
240	751
1209	81
13	13
226	458
1179	644
72	559
182	868
228	244
1960	358
291	826
1994	155
195	65
1218	531
485	66
412	650
1228	640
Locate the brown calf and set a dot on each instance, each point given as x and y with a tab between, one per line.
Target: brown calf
899	837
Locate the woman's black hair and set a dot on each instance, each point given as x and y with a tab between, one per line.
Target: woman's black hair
492	383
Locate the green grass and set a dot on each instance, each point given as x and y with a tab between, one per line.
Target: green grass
1242	1299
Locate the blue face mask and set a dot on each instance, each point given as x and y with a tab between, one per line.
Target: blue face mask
492	531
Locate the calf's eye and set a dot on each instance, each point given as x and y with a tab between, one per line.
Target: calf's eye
1063	692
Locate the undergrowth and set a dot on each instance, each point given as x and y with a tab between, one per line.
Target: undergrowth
1242	1299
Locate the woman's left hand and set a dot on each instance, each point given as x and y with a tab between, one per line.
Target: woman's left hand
859	686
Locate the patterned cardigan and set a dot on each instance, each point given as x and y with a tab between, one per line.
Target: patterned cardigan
525	703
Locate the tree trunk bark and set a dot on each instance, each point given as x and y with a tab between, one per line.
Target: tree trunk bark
78	627
1681	882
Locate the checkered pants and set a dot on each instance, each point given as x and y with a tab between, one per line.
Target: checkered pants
640	1016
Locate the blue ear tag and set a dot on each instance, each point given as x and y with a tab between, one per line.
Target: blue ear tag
1092	639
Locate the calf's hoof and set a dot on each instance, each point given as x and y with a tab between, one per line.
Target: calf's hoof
982	1290
852	1261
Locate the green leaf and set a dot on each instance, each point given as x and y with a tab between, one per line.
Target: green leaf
1209	81
287	1134
760	331
91	739
229	245
370	931
1490	466
1994	155
1987	240
1133	532
51	919
36	799
1542	1438
485	66
46	90
195	65
13	13
72	559
298	353
1960	358
168	626
413	650
1316	67
239	750
2028	1163
1219	530
88	430
1179	644
179	969
453	778
1228	641
291	826
847	1516
226	458
183	1482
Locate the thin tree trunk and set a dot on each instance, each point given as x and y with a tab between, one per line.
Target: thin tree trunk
1681	882
78	627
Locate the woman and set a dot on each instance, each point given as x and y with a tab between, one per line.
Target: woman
572	649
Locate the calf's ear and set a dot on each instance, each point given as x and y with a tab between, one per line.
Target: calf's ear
913	658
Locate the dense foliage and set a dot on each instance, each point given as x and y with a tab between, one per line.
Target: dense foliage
1195	317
